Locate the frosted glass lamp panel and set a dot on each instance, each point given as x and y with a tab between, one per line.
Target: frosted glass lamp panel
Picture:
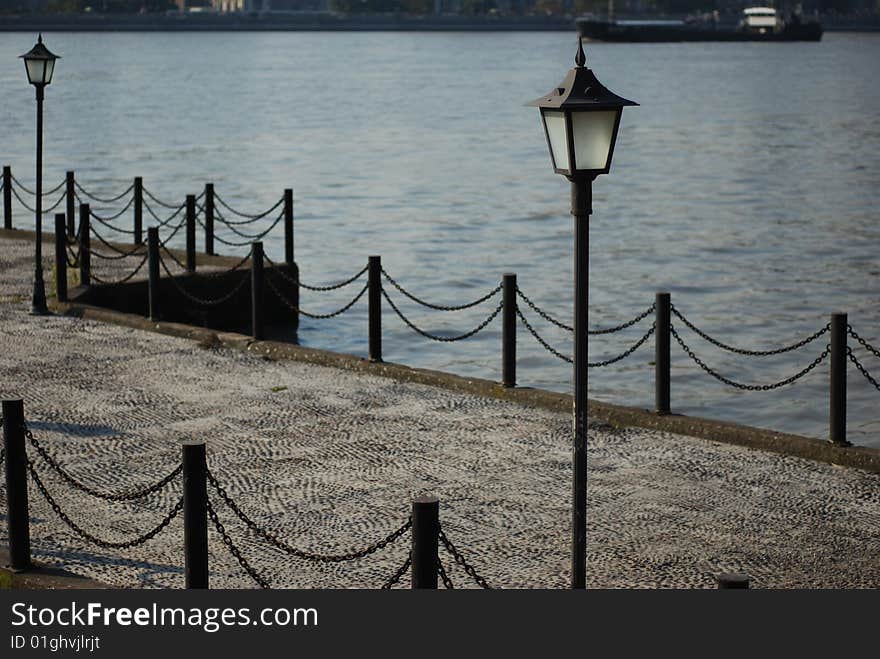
593	132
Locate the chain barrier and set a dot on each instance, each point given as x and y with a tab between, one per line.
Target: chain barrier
553	351
440	307
250	218
315	316
79	485
333	287
626	353
106	220
121	252
248	239
444	339
100	199
236	553
447	582
862	369
176	260
594	332
22	201
33	193
480	581
168	219
127	277
749	387
162	203
751	353
867	346
107	544
394	578
231	227
205	302
71	263
299	553
220	273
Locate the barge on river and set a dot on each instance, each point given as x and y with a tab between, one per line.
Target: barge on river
757	24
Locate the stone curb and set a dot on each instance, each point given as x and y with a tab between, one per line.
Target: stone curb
43	577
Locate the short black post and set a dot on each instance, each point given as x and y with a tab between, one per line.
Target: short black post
733	580
85	245
70	198
374	272
288	226
138	210
257	330
190	233
425	538
7	197
837	416
60	257
508	330
209	218
662	361
18	520
195	513
153	269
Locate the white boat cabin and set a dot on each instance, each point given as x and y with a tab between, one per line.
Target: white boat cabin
761	20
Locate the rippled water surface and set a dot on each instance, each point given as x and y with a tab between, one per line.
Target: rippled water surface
746	184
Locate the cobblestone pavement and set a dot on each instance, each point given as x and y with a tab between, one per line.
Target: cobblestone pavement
329	460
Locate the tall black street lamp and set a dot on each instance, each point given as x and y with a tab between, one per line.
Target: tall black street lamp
39	63
581	118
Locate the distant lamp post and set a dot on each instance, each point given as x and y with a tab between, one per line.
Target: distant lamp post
581	117
39	62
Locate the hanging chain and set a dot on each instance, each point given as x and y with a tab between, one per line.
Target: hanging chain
444	339
862	369
316	316
127	277
252	217
743	351
107	544
867	346
99	199
293	551
440	307
79	485
481	582
447	582
332	287
553	351
199	300
394	578
749	387
230	545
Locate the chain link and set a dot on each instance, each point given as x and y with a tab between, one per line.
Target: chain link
447	582
553	351
332	287
230	545
394	578
200	300
79	485
163	203
481	582
293	551
440	307
867	346
121	252
231	226
162	223
100	199
626	353
743	351
106	220
444	339
749	387
127	277
594	332
316	316
107	544
862	369
252	218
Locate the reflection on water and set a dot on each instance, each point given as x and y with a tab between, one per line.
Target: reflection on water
745	184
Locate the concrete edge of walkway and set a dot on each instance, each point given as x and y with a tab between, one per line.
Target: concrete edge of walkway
719	431
43	577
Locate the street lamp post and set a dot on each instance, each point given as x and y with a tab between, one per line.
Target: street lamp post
581	117
39	63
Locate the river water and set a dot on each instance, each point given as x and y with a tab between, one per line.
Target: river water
746	184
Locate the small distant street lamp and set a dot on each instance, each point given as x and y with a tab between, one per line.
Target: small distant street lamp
39	63
581	117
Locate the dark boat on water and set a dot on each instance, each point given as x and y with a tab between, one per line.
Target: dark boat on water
757	24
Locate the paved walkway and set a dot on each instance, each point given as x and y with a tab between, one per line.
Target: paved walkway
329	459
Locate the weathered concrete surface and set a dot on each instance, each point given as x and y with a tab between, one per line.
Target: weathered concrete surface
330	457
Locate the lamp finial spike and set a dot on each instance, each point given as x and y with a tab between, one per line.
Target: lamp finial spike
40	37
580	59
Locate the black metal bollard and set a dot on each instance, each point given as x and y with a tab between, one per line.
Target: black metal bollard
70	198
209	218
374	294
733	580
7	197
18	519
508	330
85	245
60	257
662	361
195	513
425	538
257	329
190	233
138	210
837	416
153	269
288	226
